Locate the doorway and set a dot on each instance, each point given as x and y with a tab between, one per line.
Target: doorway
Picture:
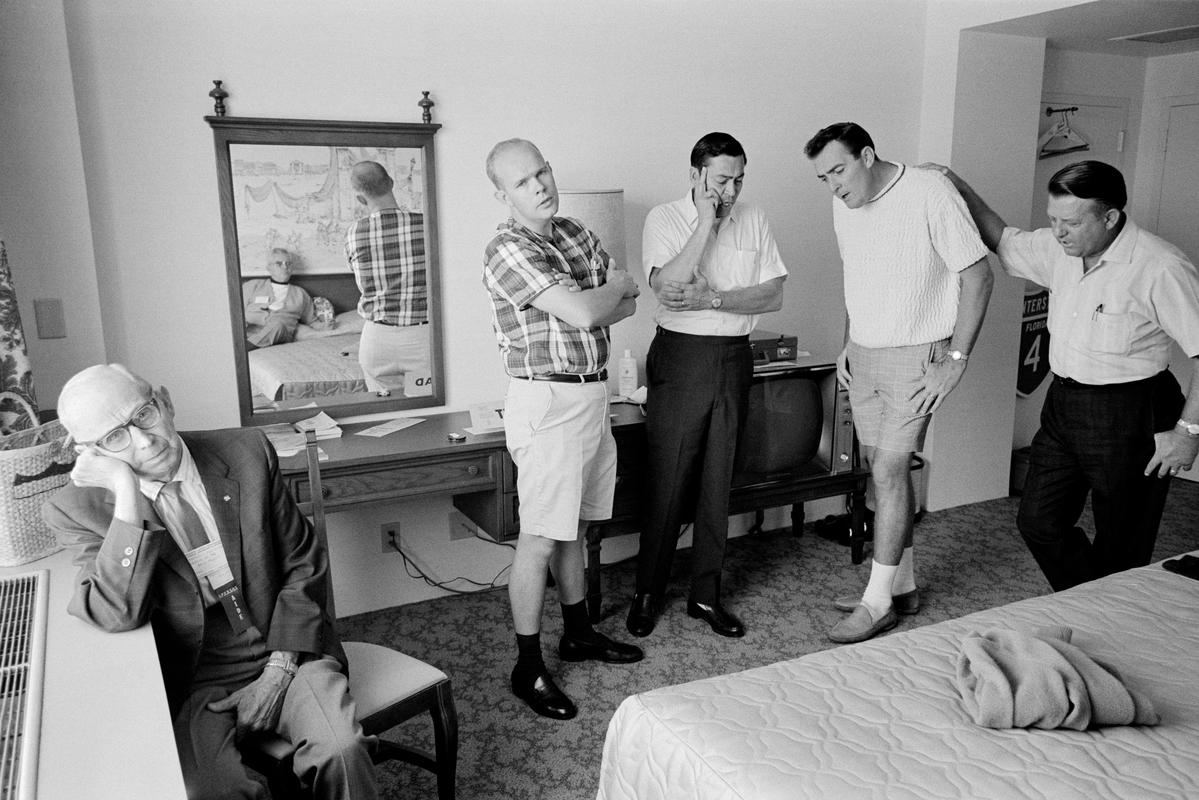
1177	219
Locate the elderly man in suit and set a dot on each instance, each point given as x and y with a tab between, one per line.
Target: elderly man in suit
195	534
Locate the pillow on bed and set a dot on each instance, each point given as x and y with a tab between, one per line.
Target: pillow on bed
347	322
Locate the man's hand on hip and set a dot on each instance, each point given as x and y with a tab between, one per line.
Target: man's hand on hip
940	379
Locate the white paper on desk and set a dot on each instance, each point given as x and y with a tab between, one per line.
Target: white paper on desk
483	431
486	417
284	439
320	422
391	426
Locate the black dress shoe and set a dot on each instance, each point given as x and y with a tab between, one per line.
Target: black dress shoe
601	648
641	614
721	621
543	695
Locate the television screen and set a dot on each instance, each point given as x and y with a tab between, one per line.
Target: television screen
783	425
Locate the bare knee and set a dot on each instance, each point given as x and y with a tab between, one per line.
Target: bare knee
890	471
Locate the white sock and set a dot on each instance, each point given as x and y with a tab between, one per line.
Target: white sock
905	578
877	597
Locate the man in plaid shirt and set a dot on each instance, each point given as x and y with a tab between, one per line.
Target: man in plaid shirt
554	292
386	251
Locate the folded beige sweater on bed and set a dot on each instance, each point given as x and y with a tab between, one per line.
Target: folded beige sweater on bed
1012	679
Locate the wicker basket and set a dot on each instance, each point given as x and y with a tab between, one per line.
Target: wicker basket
33	464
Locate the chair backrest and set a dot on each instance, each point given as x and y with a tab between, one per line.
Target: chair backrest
317	496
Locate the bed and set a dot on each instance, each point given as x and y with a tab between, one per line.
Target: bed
319	363
883	719
312	367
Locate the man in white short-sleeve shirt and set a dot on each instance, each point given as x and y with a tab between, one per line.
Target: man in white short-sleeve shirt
917	283
714	266
1114	423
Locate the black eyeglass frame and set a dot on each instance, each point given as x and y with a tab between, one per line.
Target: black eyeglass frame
152	403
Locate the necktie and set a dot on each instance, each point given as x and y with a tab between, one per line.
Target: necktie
180	515
216	582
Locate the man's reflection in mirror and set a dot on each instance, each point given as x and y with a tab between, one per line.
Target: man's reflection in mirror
274	307
386	251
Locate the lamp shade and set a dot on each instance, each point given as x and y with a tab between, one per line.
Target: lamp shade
602	211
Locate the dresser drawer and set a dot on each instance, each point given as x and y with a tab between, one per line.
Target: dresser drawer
365	485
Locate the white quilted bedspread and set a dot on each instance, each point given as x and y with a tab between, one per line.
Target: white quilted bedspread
883	719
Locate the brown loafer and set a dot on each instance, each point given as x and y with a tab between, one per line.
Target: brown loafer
906	604
860	626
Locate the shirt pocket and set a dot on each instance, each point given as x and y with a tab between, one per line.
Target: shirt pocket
1110	332
733	269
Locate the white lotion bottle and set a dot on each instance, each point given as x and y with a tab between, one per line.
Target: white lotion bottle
626	375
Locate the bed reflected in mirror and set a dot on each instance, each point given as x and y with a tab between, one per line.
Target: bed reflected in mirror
288	200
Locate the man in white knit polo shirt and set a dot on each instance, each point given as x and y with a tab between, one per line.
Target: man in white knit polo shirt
917	283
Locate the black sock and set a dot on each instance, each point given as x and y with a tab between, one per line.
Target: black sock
528	654
576	624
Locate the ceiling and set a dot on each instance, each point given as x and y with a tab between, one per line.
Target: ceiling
1091	27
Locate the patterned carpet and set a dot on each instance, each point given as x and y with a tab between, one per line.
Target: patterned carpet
968	559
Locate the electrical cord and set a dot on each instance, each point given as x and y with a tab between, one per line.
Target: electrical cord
414	571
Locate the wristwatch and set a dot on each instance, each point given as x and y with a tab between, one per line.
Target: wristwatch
1190	428
717	301
957	355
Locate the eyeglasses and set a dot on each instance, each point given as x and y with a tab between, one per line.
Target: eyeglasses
282	263
119	438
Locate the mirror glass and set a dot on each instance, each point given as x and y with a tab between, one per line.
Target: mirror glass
295	303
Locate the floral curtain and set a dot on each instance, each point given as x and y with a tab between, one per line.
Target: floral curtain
18	407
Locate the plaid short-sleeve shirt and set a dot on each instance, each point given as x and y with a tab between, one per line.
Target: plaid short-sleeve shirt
386	251
518	265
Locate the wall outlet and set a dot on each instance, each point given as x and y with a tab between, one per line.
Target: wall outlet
389	533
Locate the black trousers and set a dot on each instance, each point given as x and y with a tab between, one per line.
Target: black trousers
1096	439
698	394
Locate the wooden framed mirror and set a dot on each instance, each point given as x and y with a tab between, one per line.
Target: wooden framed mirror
287	203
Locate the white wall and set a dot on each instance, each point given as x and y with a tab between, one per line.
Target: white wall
1165	77
608	89
44	218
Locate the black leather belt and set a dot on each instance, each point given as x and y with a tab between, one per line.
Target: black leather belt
398	325
566	377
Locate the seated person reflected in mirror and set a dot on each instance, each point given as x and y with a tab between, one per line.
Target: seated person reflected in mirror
275	307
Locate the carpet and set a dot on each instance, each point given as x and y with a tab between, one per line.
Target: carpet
967	559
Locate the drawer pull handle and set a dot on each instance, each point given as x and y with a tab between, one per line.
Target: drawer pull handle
472	470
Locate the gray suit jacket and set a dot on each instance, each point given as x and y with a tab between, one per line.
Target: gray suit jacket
131	574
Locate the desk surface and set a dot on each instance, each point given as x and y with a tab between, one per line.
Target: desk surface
106	730
423	440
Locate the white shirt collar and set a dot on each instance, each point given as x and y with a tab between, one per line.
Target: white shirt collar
186	472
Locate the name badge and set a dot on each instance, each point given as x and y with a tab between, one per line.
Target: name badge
210	565
235	609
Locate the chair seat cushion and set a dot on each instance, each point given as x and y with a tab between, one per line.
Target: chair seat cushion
379	676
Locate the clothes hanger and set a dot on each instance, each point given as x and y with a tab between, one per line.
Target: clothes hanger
1059	138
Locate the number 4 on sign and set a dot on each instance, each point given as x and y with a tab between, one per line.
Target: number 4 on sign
1033	357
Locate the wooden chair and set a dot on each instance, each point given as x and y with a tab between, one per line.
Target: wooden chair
388	688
